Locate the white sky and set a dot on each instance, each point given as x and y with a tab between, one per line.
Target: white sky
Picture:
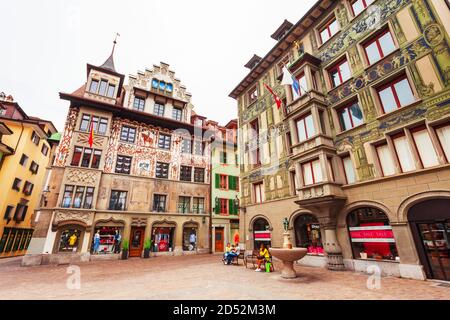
46	44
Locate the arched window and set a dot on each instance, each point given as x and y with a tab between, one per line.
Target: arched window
69	239
307	234
190	233
261	233
371	235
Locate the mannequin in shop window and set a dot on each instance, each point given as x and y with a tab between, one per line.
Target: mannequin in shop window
117	239
96	242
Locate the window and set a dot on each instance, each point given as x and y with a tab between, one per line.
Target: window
28	188
236	160
339	73
67	196
111	90
350	116
86	159
223	157
395	95
76	157
258	189
96	157
159	202
305	128
223	181
198	148
8	213
35	138
103	86
88	199
371	235
379	47
103	124
443	133
186	173
424	147
94	86
123	164
158	109
307	234
186	145
177	113
198	205
233	183
118	200
164	141
78	198
21	212
16	184
312	172
138	103
252	95
359	6
223	206
162	170
161	86
128	134
199	175
84	124
99	125
385	159
303	84
44	149
329	30
23	160
294	182
349	170
184	204
403	152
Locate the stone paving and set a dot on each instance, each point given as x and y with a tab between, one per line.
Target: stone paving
200	277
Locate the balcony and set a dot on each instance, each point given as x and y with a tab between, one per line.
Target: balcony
306	146
320	193
305	100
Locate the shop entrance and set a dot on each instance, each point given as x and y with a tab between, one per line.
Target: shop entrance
430	224
219	235
136	241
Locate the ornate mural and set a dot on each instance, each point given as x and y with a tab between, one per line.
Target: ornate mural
63	148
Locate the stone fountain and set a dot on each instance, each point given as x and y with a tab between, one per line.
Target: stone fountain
288	254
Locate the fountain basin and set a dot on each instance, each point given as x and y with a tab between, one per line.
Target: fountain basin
288	256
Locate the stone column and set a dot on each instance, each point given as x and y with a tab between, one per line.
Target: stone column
335	260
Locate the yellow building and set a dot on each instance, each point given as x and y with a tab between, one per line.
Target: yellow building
25	153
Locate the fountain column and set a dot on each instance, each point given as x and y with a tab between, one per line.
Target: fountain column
335	260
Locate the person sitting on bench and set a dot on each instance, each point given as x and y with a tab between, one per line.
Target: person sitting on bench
263	256
227	251
233	253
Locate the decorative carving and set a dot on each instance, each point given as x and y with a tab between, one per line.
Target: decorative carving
81	216
81	176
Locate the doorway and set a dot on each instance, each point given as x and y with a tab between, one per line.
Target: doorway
136	241
219	238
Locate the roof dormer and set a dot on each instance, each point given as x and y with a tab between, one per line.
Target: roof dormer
253	62
282	30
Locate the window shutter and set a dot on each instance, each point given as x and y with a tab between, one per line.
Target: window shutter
217	207
230	183
231	206
217	181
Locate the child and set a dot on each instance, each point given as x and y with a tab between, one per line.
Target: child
227	251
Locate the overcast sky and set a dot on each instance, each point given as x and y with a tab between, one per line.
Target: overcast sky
46	44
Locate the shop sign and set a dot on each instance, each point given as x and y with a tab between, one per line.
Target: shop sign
372	234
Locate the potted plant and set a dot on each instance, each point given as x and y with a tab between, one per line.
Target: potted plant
147	247
125	247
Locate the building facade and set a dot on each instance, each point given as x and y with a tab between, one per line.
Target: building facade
225	186
146	175
25	153
357	159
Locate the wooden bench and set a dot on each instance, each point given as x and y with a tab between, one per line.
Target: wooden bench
252	258
235	259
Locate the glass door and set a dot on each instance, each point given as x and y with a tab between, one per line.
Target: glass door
436	243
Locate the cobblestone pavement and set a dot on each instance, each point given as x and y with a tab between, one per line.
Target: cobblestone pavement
200	277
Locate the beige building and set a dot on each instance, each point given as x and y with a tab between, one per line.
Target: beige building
357	157
146	175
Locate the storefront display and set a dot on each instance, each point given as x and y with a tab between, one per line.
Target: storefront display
261	233
69	240
108	238
163	239
189	238
307	234
371	235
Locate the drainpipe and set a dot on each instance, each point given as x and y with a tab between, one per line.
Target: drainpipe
210	198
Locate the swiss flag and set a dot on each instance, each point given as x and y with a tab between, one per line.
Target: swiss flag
91	135
277	99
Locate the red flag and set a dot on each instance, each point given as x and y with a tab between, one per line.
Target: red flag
277	99
91	135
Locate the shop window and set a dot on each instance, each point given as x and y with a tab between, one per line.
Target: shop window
123	164
118	200
185	173
312	172
199	175
190	238
158	109
339	73
16	184
359	6
395	95
159	203
379	47
371	235
305	128
443	133
329	30
128	134
69	240
28	188
162	170
261	233
186	146
350	116
424	146
198	205
177	114
164	141
184	204
385	159
258	190
23	160
403	153
163	239
110	239
139	103
35	138
349	169
307	234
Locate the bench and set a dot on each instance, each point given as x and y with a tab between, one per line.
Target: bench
251	258
235	260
